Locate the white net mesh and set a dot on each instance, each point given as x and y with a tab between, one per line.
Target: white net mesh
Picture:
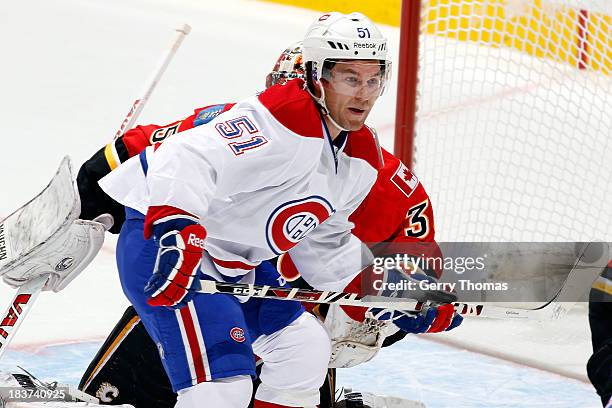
514	119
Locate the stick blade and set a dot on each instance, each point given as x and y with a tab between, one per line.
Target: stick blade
591	262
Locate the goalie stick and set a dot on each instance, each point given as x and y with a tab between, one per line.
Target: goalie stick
18	309
367	399
590	263
140	102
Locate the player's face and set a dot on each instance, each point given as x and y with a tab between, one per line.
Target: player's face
351	89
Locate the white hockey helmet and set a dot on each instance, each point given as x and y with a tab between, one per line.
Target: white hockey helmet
343	36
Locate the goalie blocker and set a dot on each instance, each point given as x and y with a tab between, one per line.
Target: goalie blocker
43	246
44	236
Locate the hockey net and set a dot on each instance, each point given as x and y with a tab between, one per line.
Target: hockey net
513	131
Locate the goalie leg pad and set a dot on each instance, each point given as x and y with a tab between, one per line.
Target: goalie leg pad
354	342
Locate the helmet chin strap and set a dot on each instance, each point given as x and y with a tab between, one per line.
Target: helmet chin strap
321	101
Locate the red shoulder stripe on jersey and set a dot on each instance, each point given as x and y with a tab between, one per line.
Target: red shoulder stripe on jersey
294	108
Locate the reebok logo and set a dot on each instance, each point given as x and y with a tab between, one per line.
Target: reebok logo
195	241
2	243
364	45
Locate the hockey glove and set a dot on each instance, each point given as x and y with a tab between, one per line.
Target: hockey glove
436	314
175	279
430	319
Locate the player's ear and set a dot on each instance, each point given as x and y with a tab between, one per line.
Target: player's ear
268	80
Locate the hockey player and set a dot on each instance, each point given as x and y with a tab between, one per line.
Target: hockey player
347	115
117	375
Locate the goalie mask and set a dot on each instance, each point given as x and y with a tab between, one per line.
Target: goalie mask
346	54
288	66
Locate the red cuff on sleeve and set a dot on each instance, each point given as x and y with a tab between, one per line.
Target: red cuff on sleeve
355	312
155	213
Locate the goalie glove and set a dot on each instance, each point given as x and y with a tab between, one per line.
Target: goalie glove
175	279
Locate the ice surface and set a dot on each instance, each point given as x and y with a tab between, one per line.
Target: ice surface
443	376
417	369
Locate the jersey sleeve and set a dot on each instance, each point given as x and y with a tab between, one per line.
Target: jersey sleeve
397	215
94	201
397	207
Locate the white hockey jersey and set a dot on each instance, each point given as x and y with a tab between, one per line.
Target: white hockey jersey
261	177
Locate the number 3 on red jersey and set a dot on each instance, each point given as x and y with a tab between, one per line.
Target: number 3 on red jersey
417	221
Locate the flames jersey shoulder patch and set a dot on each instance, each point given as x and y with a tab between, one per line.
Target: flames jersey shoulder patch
405	180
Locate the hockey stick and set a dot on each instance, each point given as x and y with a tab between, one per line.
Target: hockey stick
589	265
306	295
18	309
139	103
359	399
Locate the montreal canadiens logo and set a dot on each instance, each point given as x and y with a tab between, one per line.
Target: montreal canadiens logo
237	334
292	221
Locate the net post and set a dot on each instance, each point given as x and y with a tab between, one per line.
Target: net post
408	64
